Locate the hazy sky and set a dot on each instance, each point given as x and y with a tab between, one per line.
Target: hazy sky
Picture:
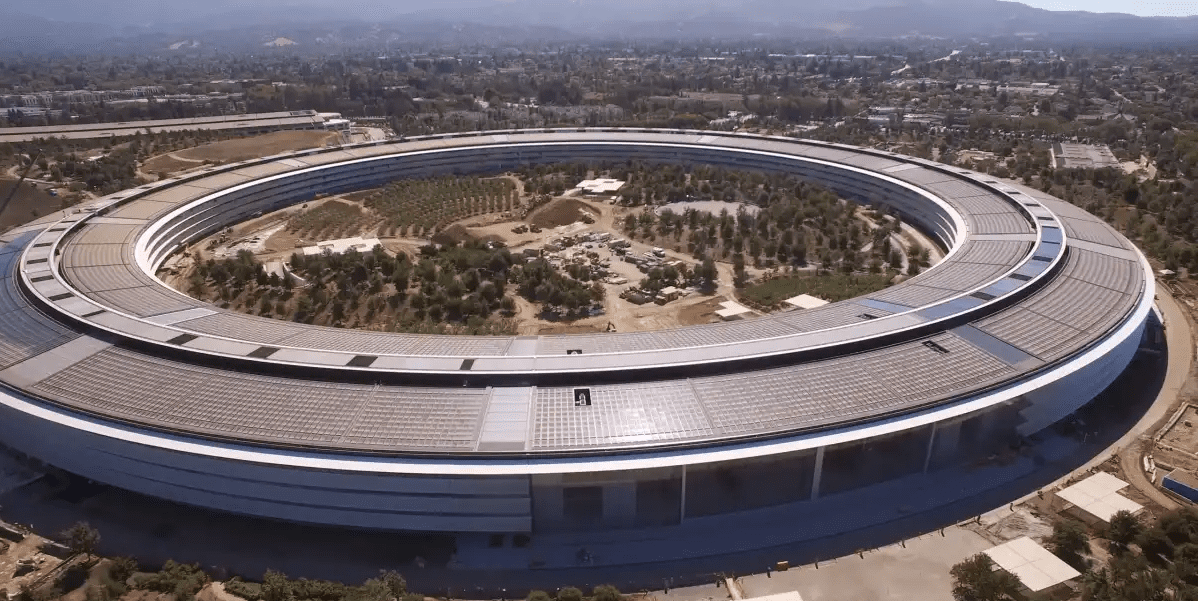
1144	8
149	11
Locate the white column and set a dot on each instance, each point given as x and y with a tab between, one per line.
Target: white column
819	472
682	502
927	458
946	440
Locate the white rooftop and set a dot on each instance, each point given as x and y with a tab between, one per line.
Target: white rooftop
600	186
732	309
1099	496
341	245
1034	566
805	301
1091	156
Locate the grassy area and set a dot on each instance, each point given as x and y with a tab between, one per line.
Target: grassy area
832	287
242	149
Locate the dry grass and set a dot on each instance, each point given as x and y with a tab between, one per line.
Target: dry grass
165	163
242	149
237	149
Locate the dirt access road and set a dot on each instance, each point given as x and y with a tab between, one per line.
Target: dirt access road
1180	384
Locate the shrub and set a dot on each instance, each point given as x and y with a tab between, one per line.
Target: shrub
81	538
114	579
606	592
250	591
975	579
181	580
539	596
569	594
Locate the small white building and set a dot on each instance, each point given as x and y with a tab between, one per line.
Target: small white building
358	243
804	301
1097	498
732	311
599	186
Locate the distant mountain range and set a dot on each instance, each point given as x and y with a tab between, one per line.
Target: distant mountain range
133	25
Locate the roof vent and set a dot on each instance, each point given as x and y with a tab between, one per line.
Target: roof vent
362	361
935	347
582	397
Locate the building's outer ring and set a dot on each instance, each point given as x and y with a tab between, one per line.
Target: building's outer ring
1036	309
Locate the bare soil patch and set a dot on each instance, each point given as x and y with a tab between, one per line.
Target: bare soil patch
561	211
28	204
282	241
700	313
570	328
1184	432
454	234
13	552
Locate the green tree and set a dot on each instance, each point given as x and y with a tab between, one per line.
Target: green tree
1070	542
978	579
276	587
569	594
708	273
1123	529
81	538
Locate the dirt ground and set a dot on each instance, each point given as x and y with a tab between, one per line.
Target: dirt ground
700	312
559	212
1184	432
1177	444
94	577
30	202
240	149
25	550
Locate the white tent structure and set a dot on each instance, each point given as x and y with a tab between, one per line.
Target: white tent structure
1099	496
1034	566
